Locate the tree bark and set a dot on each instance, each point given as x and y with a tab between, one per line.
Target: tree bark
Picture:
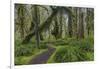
37	26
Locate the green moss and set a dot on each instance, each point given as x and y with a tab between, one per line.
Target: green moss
71	54
26	59
67	50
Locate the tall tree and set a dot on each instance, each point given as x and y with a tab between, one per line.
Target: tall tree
69	26
81	26
36	11
21	16
48	22
60	25
90	19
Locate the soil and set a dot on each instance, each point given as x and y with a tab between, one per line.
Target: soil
43	57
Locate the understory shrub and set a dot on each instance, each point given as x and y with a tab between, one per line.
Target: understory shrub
72	54
23	50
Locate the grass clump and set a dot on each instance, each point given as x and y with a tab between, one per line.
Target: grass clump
75	50
72	54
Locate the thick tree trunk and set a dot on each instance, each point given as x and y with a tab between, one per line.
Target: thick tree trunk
84	22
88	20
48	22
80	23
60	25
81	26
55	31
44	26
21	17
69	26
77	21
37	26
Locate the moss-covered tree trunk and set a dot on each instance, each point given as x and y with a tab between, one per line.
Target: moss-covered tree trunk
81	25
36	10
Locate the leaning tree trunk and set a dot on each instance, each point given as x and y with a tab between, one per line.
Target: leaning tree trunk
44	26
47	23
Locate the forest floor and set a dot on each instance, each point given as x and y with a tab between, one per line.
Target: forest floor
43	57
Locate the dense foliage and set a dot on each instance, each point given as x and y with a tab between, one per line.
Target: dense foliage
70	30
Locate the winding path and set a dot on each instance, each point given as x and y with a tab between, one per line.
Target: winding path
43	57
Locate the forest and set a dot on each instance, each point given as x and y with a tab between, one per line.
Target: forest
52	34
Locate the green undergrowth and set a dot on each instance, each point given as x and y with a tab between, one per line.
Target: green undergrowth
67	50
27	49
25	52
70	54
20	60
73	51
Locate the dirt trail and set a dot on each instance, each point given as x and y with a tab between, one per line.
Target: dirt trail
43	57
